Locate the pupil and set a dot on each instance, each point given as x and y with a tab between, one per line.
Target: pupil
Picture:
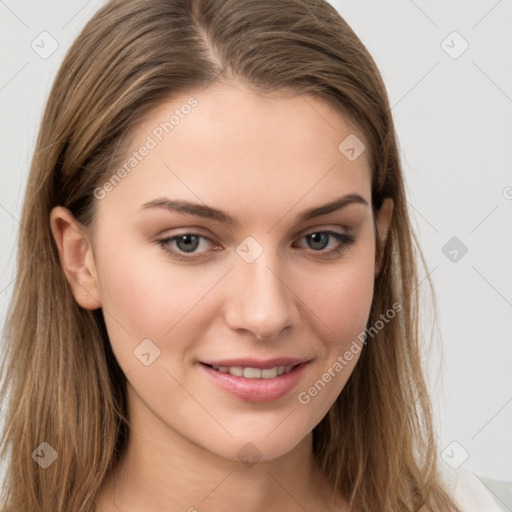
187	243
318	240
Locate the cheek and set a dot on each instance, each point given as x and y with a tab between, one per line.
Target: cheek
342	302
148	297
341	299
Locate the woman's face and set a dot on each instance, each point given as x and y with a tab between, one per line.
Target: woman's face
227	242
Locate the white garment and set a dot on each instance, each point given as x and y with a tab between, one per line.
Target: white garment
470	494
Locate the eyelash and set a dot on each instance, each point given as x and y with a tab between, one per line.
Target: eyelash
344	239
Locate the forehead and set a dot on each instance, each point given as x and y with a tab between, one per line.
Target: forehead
227	141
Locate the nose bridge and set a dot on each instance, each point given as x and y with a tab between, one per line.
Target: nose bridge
261	302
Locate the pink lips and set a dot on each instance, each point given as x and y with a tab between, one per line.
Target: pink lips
256	390
248	362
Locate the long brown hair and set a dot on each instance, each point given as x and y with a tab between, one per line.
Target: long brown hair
60	381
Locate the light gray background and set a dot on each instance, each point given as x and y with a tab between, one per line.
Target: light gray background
454	122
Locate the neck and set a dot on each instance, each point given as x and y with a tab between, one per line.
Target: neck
161	471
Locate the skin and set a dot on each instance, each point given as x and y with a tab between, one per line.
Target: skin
263	160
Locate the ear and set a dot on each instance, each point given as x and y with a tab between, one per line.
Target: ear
382	222
76	257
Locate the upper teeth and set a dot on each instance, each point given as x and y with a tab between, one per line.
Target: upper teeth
254	373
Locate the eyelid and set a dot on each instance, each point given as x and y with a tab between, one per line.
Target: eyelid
188	230
319	229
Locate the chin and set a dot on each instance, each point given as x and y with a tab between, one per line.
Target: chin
249	449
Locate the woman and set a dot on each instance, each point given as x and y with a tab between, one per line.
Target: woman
216	300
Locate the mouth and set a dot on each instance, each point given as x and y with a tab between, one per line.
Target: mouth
256	381
249	372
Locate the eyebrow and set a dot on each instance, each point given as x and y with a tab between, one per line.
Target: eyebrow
207	212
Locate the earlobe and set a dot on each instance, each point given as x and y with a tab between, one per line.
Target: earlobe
383	222
76	257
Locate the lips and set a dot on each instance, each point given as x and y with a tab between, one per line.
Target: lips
256	380
248	362
251	368
254	373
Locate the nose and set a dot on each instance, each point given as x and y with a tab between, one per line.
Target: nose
260	300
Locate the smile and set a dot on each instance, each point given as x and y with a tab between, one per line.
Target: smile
256	384
254	373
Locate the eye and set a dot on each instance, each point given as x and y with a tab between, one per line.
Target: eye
191	246
184	246
334	241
